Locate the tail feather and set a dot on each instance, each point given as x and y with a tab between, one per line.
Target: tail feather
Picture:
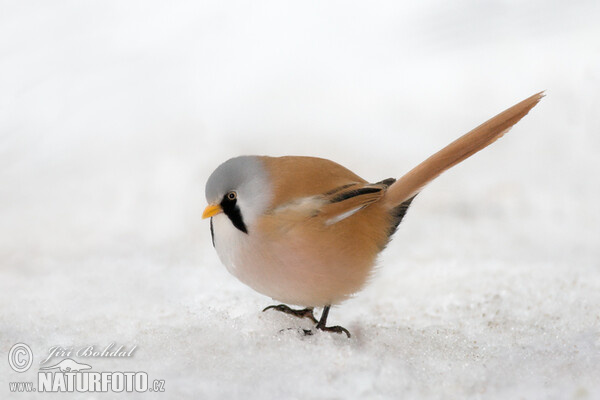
462	148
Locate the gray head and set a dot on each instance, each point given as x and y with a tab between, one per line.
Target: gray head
240	188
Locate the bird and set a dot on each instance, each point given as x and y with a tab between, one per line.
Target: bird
307	231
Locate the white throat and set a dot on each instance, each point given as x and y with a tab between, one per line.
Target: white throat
229	242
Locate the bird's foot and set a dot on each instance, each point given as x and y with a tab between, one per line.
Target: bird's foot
336	329
305	313
322	324
308	313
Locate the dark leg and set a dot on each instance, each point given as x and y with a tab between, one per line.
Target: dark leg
306	313
323	321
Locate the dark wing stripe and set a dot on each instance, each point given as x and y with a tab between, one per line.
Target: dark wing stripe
337	189
387	182
356	192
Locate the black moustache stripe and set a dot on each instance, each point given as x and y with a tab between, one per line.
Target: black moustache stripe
234	214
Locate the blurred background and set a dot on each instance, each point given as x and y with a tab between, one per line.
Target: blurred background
113	114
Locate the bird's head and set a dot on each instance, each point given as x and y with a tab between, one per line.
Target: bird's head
239	188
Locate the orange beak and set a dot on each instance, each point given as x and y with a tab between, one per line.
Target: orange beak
211	211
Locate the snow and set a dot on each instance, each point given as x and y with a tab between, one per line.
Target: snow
114	114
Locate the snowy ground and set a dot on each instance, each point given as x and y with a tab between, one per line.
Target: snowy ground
113	114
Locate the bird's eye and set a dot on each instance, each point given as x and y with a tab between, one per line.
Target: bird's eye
231	195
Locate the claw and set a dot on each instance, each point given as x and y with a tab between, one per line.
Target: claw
336	329
305	313
308	313
323	322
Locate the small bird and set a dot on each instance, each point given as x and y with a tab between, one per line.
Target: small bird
306	231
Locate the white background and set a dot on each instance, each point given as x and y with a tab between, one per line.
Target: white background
113	114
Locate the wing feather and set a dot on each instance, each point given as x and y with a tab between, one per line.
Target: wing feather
333	206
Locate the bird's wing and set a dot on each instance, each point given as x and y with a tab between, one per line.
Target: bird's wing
332	206
457	151
316	189
348	200
294	178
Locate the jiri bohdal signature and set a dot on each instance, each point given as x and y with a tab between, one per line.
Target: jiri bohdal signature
90	351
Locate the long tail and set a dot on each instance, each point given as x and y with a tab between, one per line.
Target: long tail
457	151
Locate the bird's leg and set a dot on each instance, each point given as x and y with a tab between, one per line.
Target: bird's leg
305	313
323	321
